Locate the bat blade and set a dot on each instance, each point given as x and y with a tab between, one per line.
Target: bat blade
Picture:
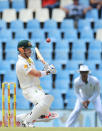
39	56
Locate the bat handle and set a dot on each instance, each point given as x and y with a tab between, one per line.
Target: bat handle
43	61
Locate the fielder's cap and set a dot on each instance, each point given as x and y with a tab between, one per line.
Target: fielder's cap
84	68
24	44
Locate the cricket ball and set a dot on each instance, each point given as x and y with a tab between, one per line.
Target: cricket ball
48	40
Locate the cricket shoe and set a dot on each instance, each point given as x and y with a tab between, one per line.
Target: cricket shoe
47	117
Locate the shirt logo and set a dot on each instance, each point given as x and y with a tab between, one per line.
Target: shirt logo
29	44
25	66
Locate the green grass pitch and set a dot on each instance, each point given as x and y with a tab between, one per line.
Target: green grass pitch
49	129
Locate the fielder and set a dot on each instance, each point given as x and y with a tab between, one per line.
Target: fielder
29	81
87	90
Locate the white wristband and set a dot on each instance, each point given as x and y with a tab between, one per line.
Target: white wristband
43	73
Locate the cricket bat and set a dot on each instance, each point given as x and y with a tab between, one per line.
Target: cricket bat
39	56
46	65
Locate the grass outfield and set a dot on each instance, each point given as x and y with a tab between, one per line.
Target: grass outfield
49	129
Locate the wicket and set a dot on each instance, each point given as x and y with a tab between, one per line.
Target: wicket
3	103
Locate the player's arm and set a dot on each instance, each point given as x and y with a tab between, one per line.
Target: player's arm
79	95
37	73
50	69
95	94
96	91
77	91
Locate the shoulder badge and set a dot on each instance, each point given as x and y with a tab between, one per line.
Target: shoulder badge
25	66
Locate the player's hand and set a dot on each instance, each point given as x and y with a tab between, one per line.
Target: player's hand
52	69
86	103
46	67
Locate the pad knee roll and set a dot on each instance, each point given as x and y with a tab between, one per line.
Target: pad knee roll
47	100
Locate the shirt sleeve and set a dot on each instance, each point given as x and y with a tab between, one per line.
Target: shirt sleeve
77	91
96	91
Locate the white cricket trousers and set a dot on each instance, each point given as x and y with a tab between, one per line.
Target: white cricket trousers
78	107
33	94
41	103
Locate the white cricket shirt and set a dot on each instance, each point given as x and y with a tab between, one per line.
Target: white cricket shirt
23	67
88	91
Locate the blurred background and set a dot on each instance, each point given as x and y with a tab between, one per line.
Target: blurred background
76	38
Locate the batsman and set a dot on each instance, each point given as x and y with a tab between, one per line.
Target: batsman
29	81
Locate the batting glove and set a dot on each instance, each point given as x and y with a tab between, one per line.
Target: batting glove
46	67
52	69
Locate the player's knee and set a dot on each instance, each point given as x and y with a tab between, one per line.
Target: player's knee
47	100
77	111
